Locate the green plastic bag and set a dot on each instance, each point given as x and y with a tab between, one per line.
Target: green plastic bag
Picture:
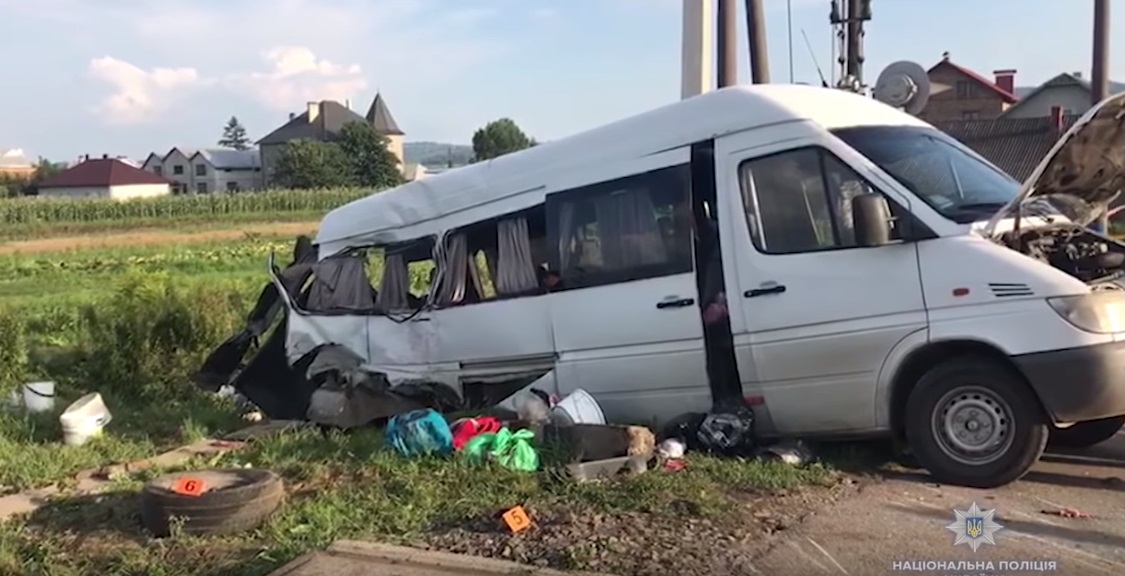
509	449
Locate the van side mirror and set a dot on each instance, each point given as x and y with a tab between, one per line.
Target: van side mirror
871	218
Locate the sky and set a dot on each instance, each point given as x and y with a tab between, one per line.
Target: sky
132	77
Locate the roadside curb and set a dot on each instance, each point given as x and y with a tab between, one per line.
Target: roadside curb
374	559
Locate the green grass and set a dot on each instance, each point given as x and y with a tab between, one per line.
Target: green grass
133	323
350	486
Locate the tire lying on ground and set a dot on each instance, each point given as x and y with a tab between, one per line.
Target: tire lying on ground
1086	434
233	500
973	421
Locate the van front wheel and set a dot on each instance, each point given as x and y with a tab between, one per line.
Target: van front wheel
973	422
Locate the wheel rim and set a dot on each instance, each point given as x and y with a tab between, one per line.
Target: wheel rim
973	425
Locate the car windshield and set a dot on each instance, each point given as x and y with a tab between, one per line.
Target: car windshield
937	169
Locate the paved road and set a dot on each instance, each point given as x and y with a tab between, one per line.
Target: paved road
903	518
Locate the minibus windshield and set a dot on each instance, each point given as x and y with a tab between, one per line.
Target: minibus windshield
936	168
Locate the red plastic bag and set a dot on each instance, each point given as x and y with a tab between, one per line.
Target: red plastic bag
469	428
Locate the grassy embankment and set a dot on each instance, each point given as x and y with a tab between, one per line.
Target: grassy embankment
131	319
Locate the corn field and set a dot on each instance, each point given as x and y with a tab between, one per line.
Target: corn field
38	211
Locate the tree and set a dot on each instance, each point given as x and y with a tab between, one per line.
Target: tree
311	164
371	162
498	138
234	135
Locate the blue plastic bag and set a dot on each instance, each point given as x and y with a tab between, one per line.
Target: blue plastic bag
419	432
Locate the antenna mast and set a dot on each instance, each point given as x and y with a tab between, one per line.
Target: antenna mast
849	36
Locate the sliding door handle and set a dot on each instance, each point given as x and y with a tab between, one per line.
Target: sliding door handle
681	303
776	289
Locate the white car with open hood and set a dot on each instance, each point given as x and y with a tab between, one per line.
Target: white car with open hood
842	267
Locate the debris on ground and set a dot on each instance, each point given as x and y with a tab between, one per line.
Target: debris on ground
794	452
1067	513
210	502
419	432
507	448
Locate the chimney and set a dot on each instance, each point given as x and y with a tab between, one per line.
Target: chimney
1006	80
292	115
1077	75
1058	119
348	103
314	111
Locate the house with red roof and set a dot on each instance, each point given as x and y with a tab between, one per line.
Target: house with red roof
959	93
105	177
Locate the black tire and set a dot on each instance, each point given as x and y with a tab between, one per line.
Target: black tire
1086	434
234	500
996	399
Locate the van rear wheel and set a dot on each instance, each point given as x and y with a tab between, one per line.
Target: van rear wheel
972	422
1086	434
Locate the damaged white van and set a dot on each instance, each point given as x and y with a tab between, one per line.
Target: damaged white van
842	267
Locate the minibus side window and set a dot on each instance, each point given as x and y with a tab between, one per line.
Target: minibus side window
407	275
498	258
620	231
800	201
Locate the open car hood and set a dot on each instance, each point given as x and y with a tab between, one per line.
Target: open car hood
1083	172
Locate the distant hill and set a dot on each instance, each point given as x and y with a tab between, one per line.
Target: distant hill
437	154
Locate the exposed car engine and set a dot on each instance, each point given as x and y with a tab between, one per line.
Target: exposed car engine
1084	254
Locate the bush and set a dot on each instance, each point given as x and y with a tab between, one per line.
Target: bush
147	340
13	351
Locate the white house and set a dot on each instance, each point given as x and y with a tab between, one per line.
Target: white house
104	178
1069	93
204	171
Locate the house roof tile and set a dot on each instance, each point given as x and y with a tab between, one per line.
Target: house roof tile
1015	145
225	158
101	172
1008	97
329	121
380	117
1064	79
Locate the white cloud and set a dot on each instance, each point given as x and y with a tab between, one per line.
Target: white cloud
137	94
297	76
309	49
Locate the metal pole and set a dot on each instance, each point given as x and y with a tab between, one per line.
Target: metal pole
728	43
756	34
853	35
1099	75
789	25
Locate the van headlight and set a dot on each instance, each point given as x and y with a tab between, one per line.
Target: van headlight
1100	312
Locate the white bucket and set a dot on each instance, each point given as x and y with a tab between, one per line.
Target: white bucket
84	419
39	396
578	408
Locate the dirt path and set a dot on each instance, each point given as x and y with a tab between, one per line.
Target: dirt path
153	237
907	513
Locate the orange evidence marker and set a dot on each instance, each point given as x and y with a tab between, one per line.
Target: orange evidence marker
188	486
517	519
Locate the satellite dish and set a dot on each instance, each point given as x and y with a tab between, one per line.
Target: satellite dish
904	85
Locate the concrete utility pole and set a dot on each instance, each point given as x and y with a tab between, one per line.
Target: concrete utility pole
1099	75
697	48
756	34
728	43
